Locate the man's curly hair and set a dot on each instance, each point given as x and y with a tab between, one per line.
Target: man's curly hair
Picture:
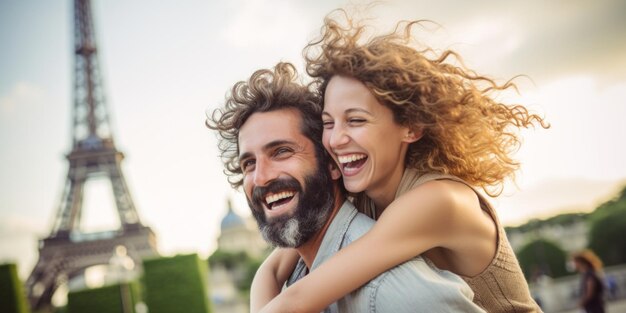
265	91
466	132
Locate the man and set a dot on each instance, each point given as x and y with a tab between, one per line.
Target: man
270	138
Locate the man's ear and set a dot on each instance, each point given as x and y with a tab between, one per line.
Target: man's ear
335	173
413	135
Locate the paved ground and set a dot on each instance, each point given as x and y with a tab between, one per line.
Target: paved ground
618	306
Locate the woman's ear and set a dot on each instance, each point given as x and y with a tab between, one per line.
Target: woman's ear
412	135
335	173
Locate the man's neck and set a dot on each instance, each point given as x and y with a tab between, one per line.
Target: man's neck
308	250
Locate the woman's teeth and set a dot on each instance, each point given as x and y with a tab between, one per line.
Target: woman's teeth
351	158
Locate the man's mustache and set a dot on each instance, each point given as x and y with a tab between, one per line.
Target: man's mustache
259	193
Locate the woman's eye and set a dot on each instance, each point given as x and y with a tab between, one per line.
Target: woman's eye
328	124
356	120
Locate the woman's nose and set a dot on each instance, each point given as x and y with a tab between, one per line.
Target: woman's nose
338	137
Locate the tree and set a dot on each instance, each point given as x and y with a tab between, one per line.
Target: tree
608	228
541	256
251	268
241	266
230	260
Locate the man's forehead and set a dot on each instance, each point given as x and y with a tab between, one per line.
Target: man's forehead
262	128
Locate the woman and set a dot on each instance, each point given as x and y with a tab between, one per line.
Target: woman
591	288
412	136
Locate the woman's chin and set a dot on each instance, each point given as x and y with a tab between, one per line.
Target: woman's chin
353	187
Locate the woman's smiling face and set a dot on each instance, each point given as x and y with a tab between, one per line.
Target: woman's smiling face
363	138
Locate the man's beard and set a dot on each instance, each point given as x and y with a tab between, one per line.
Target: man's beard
293	229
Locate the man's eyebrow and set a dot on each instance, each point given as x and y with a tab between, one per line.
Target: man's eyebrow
276	143
244	156
267	146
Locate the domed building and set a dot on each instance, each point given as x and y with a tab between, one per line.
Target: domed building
238	234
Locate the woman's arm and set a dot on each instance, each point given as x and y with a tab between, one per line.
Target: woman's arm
425	217
270	277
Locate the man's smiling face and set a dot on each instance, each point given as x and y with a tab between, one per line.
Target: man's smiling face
289	193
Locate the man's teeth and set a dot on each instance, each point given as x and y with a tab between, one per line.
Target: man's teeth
279	196
351	158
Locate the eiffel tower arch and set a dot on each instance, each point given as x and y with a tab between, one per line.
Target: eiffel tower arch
67	251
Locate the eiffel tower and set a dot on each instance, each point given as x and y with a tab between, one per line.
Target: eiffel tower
68	251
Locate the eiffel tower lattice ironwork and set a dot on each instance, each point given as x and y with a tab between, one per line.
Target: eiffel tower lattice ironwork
68	251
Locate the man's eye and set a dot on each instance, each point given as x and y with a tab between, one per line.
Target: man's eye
282	151
247	165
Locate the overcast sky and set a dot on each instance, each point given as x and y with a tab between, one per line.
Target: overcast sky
166	63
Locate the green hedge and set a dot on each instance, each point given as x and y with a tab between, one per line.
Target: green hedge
542	257
12	295
176	284
119	298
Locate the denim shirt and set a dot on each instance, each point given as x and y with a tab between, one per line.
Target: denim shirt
414	286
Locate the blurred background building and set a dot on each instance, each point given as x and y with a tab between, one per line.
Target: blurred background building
240	251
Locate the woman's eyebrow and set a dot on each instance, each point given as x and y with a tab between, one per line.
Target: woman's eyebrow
351	110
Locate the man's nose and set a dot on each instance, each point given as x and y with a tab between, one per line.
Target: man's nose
264	172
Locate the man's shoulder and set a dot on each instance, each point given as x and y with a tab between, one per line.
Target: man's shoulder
359	225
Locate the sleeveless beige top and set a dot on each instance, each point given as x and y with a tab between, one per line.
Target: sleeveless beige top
501	287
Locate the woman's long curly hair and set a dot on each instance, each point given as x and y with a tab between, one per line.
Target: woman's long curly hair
466	132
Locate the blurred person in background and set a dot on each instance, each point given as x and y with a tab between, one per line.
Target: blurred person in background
589	266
